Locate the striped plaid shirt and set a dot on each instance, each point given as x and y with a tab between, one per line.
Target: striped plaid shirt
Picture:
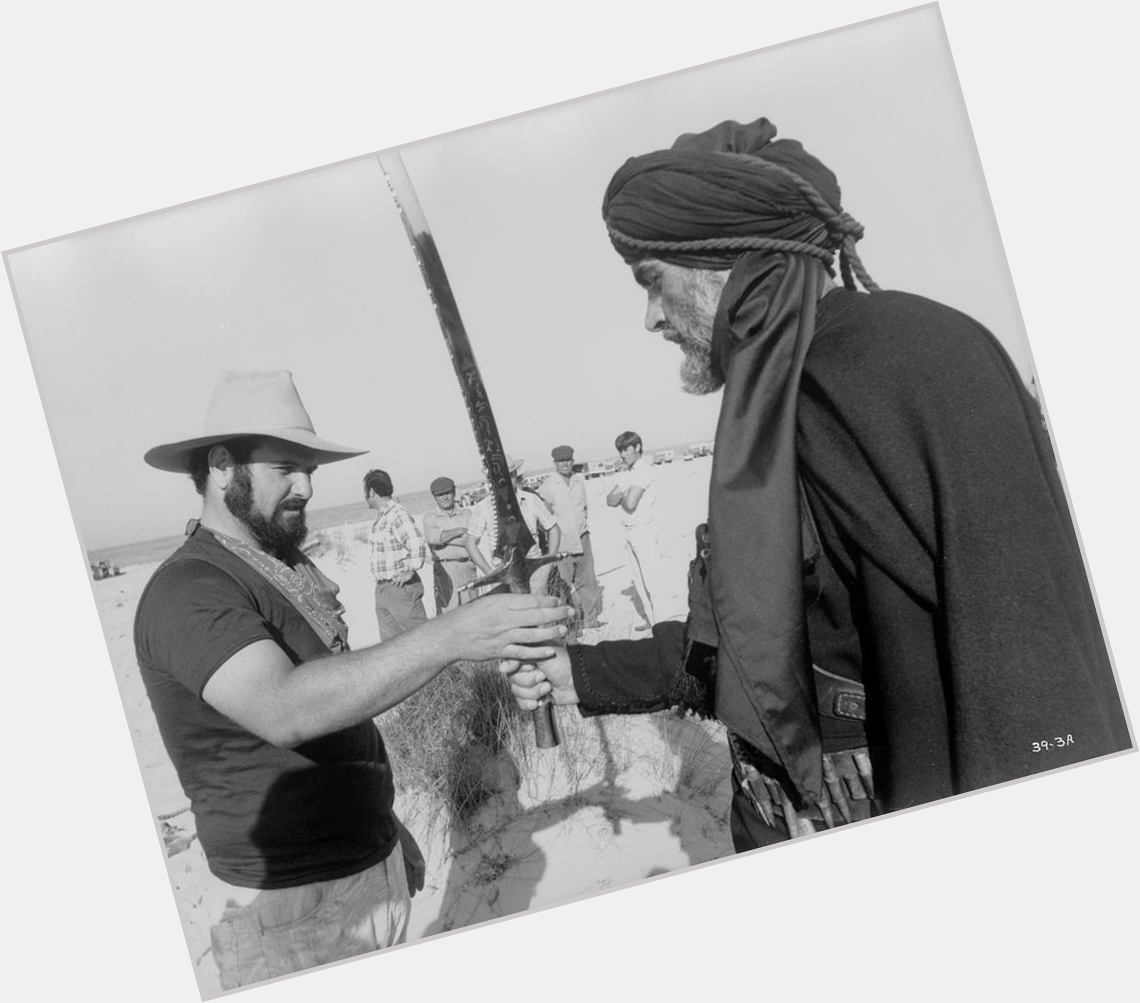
397	543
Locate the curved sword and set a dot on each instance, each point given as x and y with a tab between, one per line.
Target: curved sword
514	538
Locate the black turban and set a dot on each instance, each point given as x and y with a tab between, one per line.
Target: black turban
735	198
717	194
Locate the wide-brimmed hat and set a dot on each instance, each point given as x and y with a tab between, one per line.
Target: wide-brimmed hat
263	404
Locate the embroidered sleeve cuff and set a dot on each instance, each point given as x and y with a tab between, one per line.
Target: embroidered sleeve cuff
630	677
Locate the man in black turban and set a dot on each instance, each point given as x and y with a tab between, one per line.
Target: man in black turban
889	604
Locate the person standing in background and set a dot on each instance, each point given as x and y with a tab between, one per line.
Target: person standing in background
635	495
398	551
564	491
445	530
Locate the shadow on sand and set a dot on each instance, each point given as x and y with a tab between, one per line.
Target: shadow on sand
497	863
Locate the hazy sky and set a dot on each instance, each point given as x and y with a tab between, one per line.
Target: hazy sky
129	325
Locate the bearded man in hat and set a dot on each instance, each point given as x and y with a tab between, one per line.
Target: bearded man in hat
564	492
266	713
888	605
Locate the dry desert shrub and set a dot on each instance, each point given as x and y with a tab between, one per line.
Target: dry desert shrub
317	545
336	543
462	740
448	741
323	544
681	753
701	761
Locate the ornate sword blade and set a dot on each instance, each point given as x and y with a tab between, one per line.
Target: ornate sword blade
512	530
514	539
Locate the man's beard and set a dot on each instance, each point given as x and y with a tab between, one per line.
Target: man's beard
273	533
697	376
691	327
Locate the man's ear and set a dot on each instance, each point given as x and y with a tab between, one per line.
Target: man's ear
221	463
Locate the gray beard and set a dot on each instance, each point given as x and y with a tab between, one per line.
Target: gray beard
697	376
693	330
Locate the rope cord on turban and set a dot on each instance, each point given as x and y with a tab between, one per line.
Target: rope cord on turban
741	244
770	213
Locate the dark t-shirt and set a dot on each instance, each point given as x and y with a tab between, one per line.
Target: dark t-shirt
267	817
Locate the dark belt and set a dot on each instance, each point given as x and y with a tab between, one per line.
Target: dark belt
392	581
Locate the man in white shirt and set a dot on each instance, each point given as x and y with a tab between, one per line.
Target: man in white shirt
564	491
635	496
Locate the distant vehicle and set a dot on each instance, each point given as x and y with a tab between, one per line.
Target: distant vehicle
602	468
686	456
104	569
663	456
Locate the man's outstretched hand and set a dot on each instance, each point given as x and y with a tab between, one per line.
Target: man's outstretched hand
503	626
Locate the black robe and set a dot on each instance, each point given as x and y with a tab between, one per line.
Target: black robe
955	586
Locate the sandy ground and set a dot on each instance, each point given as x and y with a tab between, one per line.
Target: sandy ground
621	800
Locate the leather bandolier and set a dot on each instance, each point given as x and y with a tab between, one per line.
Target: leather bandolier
849	791
848	794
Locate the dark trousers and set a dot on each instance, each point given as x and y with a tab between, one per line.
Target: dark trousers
399	607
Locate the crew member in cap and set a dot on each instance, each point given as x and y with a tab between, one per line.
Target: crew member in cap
266	713
446	533
483	537
397	552
893	608
564	492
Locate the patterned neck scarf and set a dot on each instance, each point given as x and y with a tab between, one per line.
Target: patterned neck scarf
311	592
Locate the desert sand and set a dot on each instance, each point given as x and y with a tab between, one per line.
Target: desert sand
621	799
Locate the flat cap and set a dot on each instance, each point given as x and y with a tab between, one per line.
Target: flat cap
559	453
441	485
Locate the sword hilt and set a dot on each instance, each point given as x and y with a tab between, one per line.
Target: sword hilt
545	737
518	570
